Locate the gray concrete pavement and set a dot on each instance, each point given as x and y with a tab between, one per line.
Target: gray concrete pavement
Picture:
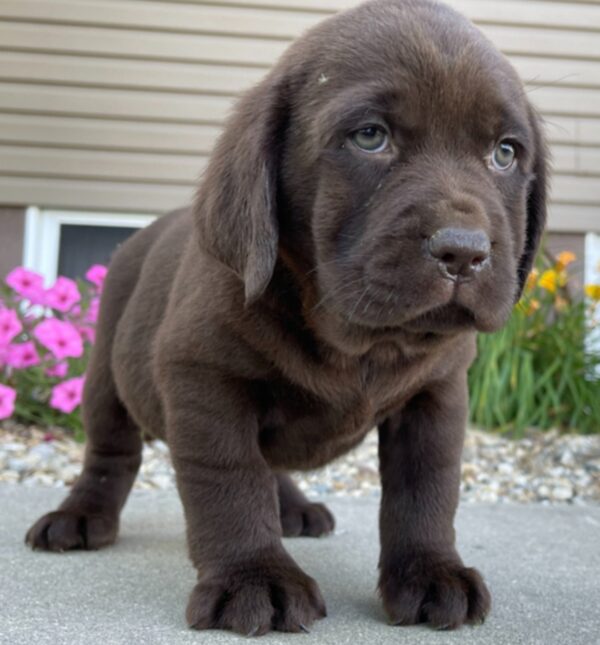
542	565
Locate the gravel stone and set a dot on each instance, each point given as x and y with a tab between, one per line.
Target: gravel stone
542	467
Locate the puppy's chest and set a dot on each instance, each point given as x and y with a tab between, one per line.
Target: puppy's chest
308	424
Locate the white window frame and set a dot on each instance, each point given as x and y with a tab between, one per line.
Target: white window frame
592	276
592	258
42	233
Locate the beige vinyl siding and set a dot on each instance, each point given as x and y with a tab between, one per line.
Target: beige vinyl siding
115	104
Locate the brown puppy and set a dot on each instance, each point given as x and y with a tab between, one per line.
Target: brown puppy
374	202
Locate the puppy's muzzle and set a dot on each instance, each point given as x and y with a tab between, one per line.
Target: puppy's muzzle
461	253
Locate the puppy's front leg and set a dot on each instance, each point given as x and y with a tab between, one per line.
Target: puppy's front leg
422	577
247	582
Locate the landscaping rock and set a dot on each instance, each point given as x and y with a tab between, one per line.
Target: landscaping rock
544	467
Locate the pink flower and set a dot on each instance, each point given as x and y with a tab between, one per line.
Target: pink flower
28	284
91	315
7	401
10	326
88	334
66	396
22	355
60	337
59	370
62	295
96	275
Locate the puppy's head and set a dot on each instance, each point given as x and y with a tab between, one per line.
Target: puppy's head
392	158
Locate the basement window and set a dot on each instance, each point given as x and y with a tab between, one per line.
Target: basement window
68	242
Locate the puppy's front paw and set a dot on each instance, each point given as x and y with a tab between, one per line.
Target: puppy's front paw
254	598
425	589
309	520
66	530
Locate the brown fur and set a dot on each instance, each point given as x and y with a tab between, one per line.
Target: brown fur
298	303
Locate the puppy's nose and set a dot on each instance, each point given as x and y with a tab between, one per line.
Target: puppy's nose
460	251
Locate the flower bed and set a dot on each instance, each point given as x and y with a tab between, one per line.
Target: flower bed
540	370
45	338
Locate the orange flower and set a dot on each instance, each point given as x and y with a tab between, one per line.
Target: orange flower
592	291
564	259
532	279
560	303
534	305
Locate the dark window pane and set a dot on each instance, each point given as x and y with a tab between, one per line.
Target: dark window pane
82	246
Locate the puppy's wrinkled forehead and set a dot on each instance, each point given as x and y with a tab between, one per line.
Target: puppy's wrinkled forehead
417	62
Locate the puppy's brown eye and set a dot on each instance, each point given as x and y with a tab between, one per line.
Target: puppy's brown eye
370	139
504	156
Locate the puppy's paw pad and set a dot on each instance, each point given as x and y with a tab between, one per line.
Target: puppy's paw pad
309	520
253	600
67	530
444	595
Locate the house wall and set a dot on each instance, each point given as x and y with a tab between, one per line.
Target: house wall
115	104
12	231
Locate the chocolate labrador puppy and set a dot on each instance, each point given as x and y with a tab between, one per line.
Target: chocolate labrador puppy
374	202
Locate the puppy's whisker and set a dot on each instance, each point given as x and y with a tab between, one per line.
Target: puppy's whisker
319	265
344	285
349	260
347	236
335	290
540	85
555	125
384	305
363	294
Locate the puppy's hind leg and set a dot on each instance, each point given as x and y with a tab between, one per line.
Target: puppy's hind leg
89	516
299	516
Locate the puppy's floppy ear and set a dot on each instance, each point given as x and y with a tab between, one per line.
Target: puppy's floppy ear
236	209
536	201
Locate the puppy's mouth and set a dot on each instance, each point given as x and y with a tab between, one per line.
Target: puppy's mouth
448	318
440	306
